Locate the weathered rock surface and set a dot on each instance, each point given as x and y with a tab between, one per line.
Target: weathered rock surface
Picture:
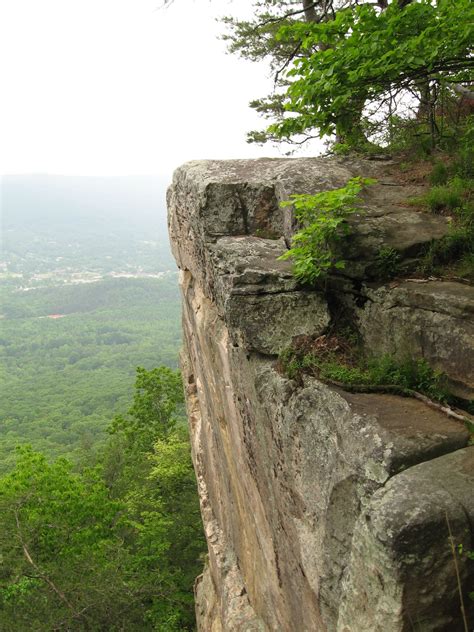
323	510
402	563
257	295
389	223
433	320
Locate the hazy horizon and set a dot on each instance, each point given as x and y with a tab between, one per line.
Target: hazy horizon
116	89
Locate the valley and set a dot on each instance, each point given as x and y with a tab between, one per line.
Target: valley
88	293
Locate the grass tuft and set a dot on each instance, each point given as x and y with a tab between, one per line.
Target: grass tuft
337	359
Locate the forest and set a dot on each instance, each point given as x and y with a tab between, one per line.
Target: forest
63	378
111	544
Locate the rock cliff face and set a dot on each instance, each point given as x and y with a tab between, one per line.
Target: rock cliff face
323	510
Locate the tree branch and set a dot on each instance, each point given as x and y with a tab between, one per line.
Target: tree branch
306	10
288	61
41	575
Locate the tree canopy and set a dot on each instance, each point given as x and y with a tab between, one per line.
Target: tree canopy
115	546
347	68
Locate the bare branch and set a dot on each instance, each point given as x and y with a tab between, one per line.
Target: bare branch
458	576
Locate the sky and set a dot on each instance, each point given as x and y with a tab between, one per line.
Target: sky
122	87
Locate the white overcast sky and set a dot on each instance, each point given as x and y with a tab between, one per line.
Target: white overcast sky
116	87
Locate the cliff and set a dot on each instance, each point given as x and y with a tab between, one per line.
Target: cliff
323	509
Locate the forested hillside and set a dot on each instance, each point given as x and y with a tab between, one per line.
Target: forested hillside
64	378
89	292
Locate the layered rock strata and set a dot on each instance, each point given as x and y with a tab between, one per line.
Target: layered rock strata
323	510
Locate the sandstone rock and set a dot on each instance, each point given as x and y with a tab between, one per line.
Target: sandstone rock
248	265
267	324
405	231
315	502
402	570
242	273
210	199
221	599
259	297
287	471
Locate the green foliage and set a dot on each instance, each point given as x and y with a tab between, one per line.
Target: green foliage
61	560
346	70
110	538
448	197
411	374
157	400
408	137
90	354
114	547
388	262
148	464
324	222
352	368
464	165
468	553
94	250
341	149
454	253
439	175
369	54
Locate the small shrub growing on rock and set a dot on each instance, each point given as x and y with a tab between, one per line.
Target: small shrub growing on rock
387	263
323	218
439	175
